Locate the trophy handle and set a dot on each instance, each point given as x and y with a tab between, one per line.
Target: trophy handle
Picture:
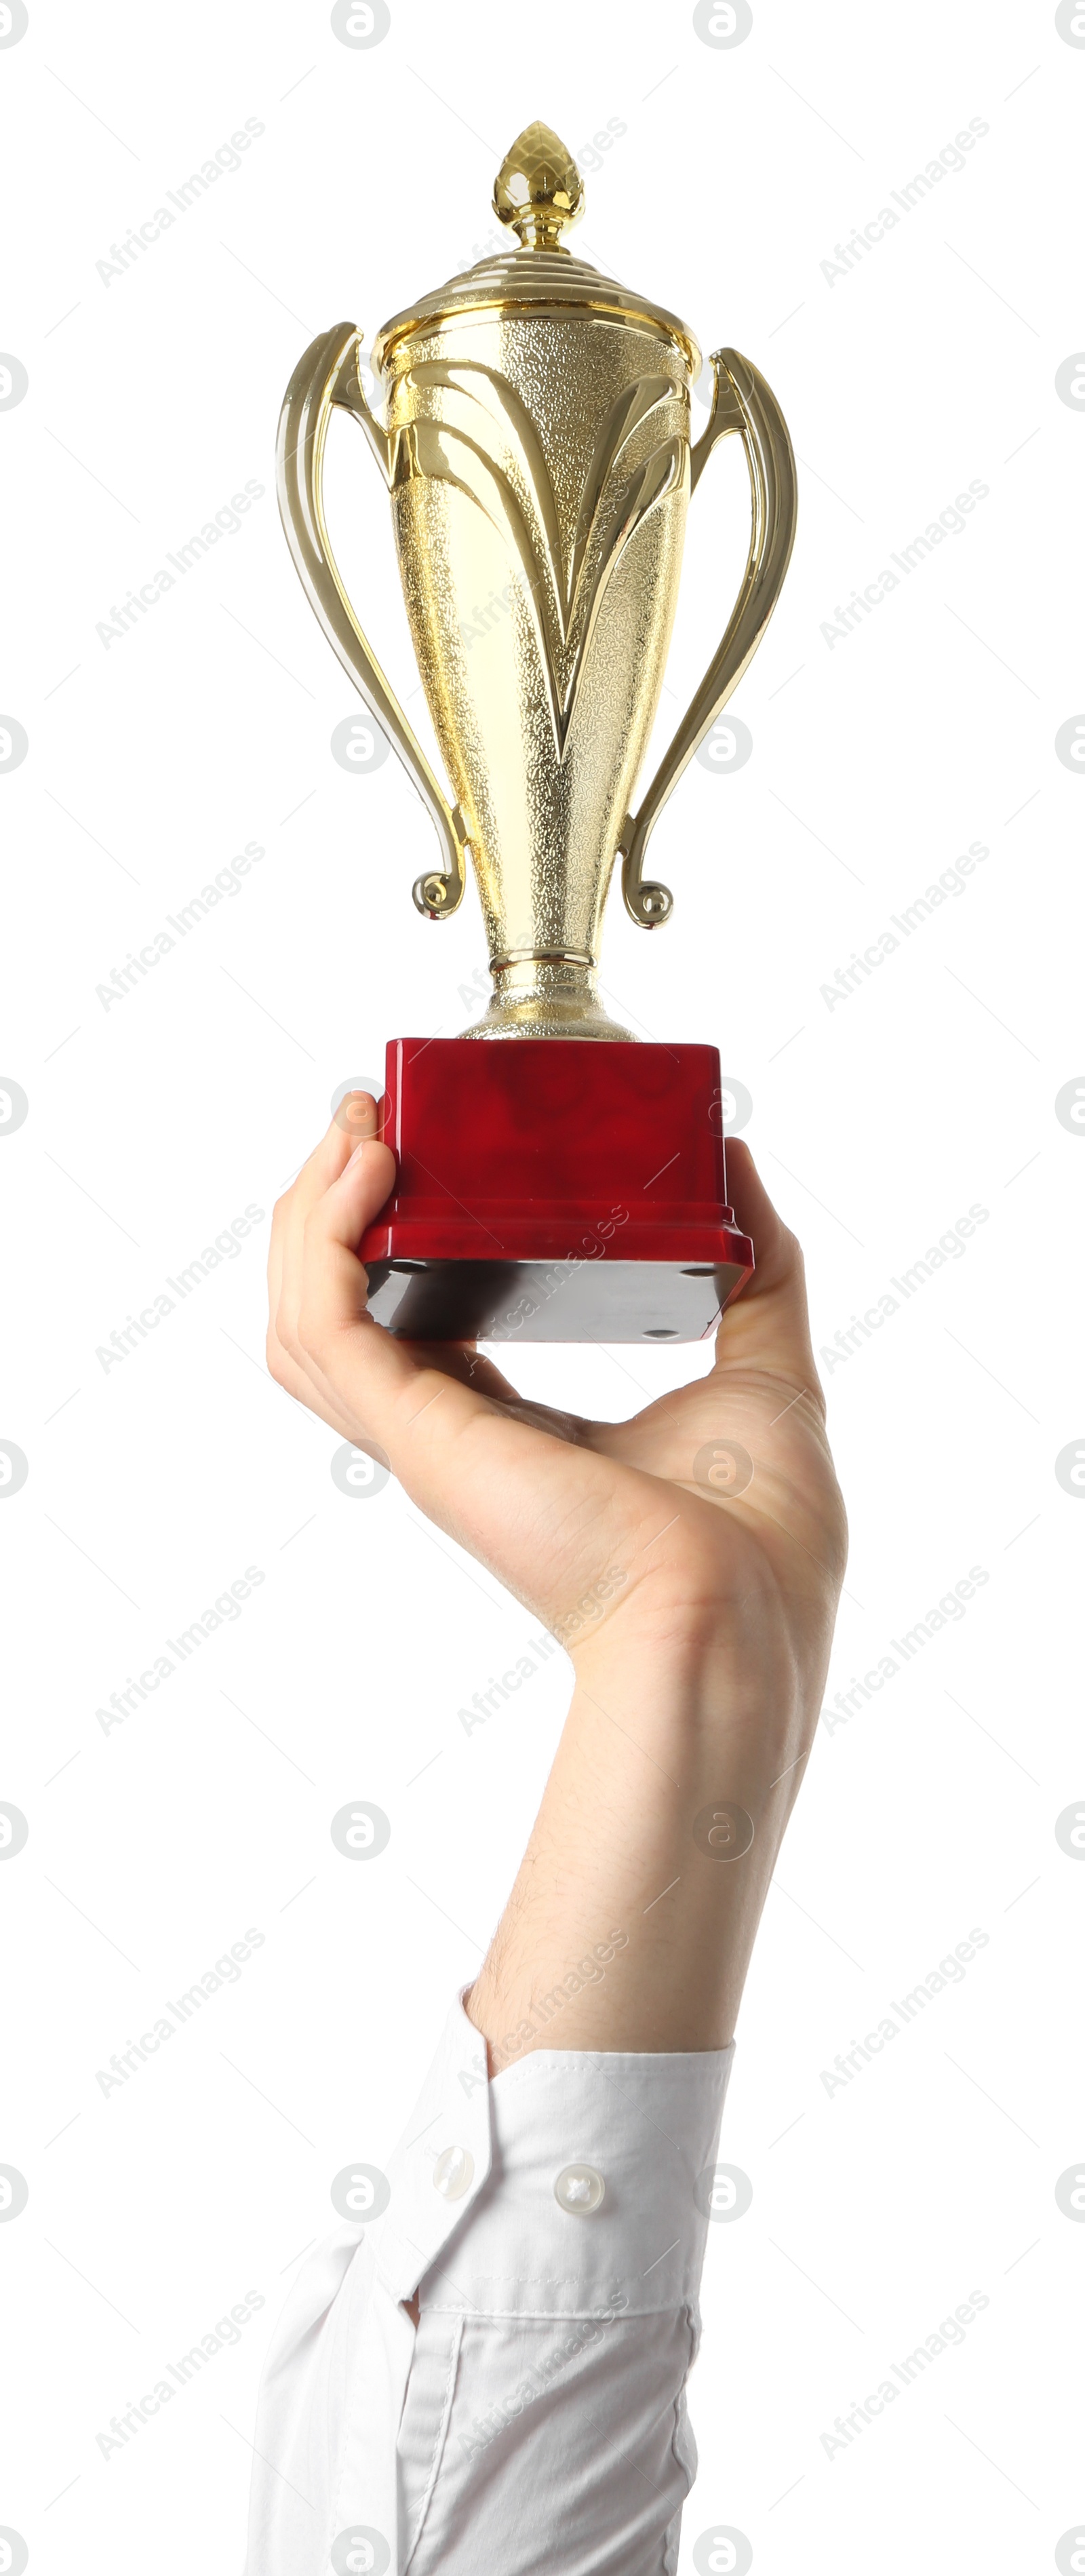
327	375
741	401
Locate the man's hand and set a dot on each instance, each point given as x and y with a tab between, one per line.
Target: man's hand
689	1558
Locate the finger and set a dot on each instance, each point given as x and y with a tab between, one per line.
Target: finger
324	1159
357	1120
329	1332
356	1117
460	1360
318	1170
468	1460
769	1325
387	1385
323	1166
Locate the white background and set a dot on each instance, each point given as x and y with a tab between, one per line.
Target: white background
878	1123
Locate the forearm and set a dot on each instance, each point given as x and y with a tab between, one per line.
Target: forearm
532	2368
633	1915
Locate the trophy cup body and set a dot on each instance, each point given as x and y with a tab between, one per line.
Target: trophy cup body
560	492
568	1184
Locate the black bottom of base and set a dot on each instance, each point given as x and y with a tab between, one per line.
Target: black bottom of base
549	1301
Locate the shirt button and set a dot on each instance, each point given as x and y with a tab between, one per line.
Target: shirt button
454	2173
580	2190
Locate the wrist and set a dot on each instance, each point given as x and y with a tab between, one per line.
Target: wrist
717	1711
744	1678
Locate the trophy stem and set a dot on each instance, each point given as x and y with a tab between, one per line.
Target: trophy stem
546	993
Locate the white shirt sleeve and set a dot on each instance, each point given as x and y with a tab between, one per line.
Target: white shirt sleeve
553	2223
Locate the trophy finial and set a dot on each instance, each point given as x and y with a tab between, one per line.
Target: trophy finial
538	189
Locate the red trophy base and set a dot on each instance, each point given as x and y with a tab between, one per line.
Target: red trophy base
554	1190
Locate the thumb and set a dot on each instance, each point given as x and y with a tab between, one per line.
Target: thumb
768	1327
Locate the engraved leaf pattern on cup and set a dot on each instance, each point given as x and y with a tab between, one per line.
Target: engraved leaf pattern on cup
565	591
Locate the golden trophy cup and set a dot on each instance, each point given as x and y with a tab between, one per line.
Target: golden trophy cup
538	453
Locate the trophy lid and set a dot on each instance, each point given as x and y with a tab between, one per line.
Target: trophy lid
539	193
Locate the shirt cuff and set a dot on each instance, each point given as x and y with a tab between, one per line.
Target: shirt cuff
576	2182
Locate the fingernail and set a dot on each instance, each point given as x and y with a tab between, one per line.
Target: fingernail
356	1110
